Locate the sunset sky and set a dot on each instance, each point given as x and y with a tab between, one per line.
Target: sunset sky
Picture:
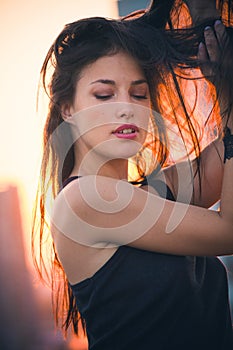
27	30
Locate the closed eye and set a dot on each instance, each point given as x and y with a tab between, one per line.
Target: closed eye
103	97
140	97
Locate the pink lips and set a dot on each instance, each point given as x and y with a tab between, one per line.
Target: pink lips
120	134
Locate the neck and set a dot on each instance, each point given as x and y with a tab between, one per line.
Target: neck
115	168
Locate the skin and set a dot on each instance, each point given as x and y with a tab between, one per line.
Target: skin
107	97
100	212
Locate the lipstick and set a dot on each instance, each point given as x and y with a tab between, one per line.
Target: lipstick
126	131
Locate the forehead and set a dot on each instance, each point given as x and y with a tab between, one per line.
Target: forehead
117	66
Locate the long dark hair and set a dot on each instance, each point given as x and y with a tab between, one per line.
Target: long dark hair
154	39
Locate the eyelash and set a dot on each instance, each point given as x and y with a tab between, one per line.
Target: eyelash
105	97
140	97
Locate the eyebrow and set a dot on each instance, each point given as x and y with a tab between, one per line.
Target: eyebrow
112	82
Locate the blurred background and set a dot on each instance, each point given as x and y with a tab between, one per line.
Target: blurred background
28	28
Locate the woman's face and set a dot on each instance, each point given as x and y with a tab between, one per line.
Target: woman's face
111	108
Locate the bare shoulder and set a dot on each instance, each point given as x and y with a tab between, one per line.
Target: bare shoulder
71	208
91	195
90	187
96	211
80	257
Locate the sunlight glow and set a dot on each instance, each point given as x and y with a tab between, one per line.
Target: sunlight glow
28	29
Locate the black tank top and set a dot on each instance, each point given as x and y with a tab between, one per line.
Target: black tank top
145	300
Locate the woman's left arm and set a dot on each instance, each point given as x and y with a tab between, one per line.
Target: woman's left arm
206	185
188	186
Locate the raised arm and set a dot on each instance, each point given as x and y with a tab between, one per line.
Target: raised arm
206	188
216	47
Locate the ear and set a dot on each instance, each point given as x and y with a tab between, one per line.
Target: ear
66	112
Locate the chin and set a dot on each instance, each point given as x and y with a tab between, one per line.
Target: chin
127	154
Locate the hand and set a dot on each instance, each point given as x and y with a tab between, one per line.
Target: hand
215	56
202	10
216	40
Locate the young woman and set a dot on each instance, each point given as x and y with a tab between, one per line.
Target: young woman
125	252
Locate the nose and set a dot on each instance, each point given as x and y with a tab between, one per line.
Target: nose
125	111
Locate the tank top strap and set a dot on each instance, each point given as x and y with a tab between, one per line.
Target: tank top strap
160	186
68	180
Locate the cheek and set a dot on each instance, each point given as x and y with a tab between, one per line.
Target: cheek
142	114
89	120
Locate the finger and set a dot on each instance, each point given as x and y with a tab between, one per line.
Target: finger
203	58
202	54
211	43
221	33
